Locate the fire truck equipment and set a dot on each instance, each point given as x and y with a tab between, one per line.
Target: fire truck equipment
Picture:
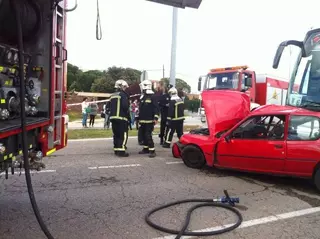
225	202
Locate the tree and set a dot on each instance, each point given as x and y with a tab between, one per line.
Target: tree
181	85
104	84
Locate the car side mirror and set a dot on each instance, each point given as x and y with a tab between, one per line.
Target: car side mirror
199	84
227	138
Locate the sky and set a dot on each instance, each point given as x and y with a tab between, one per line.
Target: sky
137	34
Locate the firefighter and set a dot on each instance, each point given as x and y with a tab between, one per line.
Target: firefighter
119	112
148	117
164	100
140	136
175	117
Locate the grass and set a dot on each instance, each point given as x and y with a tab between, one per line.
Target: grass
104	133
74	115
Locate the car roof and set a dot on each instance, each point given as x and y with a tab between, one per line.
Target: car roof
283	110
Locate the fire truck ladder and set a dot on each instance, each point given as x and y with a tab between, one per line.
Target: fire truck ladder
60	57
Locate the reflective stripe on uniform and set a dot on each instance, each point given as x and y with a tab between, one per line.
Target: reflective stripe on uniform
146	121
124	140
167	139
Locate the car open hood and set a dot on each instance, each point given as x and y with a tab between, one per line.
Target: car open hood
224	109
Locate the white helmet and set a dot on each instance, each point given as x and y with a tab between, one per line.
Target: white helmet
146	86
172	91
121	84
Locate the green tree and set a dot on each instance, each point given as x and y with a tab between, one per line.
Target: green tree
180	84
104	84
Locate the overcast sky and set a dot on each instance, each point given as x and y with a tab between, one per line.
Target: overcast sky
137	34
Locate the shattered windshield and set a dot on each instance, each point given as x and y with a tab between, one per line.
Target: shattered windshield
225	80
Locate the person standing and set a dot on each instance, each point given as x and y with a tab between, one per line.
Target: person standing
133	110
148	117
164	100
119	112
106	110
93	112
175	117
85	110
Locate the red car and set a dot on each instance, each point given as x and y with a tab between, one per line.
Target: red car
273	139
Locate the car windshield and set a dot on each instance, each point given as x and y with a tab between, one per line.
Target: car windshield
304	88
222	81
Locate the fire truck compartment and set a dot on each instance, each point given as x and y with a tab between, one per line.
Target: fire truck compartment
16	123
41	59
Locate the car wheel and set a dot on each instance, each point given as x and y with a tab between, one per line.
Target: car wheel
176	151
316	179
193	157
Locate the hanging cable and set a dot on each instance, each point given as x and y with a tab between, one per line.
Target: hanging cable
98	24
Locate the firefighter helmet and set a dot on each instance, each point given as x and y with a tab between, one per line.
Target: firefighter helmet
146	87
173	91
121	84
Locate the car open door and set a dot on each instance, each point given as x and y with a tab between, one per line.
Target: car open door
257	144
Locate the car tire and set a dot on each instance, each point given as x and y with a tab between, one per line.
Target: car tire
193	157
175	151
316	179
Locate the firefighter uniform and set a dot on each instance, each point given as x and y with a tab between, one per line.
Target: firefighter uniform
175	119
148	114
119	112
164	100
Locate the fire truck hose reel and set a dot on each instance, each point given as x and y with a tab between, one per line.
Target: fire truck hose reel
225	202
15	6
30	15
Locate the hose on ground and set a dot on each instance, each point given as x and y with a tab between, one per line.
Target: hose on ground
23	122
202	203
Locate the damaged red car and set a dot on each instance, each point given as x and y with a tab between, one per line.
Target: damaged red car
281	140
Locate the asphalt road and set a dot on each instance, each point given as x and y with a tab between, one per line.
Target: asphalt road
85	192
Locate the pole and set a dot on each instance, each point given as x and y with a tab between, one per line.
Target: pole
174	47
163	71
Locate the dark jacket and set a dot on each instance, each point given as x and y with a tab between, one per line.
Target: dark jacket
176	110
107	107
164	101
119	106
148	109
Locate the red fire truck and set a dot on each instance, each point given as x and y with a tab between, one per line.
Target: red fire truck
261	88
44	76
272	139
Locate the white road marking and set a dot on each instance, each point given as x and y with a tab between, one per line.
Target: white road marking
258	221
32	172
116	166
176	162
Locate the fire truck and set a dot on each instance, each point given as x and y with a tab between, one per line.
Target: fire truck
43	81
273	139
261	88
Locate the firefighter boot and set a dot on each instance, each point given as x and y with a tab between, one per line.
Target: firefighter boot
166	145
144	151
152	154
122	154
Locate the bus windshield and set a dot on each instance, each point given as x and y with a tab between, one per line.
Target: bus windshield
304	89
224	80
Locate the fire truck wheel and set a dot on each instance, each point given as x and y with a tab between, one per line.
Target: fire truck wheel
316	178
193	157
